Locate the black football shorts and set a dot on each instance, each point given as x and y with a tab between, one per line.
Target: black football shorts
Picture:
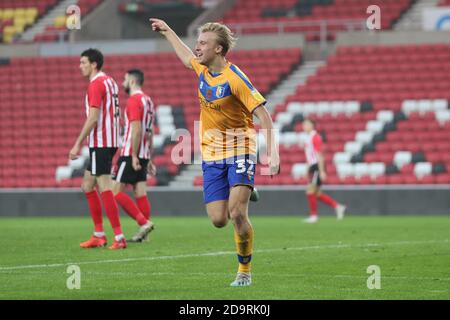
100	161
127	174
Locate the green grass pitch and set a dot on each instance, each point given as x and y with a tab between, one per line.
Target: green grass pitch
187	258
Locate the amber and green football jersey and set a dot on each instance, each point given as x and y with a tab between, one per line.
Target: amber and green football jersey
227	101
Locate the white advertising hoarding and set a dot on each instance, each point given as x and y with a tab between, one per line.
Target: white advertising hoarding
436	18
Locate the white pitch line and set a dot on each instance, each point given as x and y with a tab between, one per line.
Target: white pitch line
220	253
260	275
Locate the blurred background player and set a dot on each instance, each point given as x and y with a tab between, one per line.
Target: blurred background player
101	129
316	174
228	101
134	161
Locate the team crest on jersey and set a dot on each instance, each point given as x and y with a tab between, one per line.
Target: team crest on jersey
220	92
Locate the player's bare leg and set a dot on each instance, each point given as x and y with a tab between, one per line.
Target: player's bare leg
98	239
218	213
311	195
243	232
112	211
118	187
89	182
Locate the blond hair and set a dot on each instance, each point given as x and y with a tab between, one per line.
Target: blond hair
225	37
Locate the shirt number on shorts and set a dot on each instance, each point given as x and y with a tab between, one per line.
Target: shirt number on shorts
242	168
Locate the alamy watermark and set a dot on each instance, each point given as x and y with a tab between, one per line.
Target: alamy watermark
73	21
373	22
74	280
374	280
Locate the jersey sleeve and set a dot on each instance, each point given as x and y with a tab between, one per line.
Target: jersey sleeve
96	93
317	143
134	109
243	90
198	68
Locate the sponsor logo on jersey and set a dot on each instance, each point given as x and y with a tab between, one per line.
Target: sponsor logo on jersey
209	94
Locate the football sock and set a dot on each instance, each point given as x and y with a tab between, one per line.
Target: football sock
312	201
95	208
327	200
99	234
130	208
119	237
112	211
244	248
144	205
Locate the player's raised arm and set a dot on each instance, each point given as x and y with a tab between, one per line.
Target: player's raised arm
181	49
269	134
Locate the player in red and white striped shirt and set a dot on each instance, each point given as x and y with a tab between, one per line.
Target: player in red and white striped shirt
135	158
101	131
316	173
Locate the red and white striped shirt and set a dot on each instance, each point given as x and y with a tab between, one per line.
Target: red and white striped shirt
139	107
103	93
313	146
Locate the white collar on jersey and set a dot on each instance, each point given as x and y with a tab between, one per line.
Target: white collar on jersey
100	74
312	133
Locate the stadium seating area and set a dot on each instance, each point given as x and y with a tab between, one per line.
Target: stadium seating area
54	32
16	16
382	120
269	16
45	108
383	111
399	112
375	133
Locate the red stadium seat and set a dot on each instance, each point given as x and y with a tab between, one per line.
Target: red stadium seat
250	11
